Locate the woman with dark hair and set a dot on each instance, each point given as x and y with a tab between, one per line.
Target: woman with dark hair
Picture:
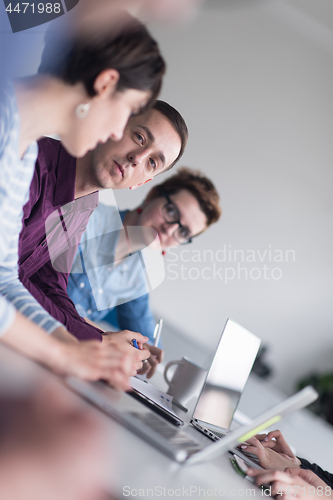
84	94
87	88
172	214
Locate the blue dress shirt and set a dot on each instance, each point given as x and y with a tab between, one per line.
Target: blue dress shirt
105	291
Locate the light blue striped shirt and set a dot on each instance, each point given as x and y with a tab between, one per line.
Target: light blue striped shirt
15	180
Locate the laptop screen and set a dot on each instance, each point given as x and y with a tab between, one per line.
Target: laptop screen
227	376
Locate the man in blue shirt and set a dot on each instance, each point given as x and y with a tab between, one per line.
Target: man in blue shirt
175	211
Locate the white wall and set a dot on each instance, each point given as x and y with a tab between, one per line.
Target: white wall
254	81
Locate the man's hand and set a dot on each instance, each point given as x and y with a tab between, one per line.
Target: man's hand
95	360
123	341
292	486
150	366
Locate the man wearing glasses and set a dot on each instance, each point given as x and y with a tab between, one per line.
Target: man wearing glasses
178	209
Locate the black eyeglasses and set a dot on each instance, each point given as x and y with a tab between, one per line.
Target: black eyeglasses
172	216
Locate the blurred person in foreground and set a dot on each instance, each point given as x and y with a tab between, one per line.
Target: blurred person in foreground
52	444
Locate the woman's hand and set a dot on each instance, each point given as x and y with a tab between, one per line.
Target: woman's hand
94	360
276	441
268	458
272	450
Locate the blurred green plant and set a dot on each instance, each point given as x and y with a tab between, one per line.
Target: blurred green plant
323	383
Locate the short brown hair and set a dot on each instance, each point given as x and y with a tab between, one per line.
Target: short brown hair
127	47
178	123
198	185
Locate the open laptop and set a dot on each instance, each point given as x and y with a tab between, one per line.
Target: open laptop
225	381
186	444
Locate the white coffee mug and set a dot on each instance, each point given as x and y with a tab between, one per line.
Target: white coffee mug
187	380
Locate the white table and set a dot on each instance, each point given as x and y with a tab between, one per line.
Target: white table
134	468
137	469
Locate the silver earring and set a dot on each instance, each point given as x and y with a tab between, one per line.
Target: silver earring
82	110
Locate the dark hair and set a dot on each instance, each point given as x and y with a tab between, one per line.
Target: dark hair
128	48
198	185
178	123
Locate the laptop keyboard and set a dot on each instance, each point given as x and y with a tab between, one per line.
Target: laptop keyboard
173	435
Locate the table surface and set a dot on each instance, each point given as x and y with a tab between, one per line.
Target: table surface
136	469
143	470
139	469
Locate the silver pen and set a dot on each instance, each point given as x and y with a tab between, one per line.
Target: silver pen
157	332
